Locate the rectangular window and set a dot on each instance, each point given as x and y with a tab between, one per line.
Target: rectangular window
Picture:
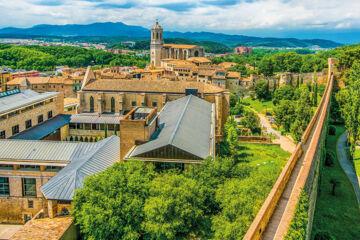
53	168
30	204
87	126
133	103
13	113
72	125
39	104
29	187
154	104
28	124
15	129
6	166
94	127
4	186
40	118
79	126
50	114
2	134
30	167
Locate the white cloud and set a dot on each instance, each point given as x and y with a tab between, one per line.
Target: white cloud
185	15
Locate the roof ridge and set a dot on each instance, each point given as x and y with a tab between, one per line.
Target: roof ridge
180	119
91	155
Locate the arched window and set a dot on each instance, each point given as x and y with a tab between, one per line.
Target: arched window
112	105
196	53
185	55
157	36
91	104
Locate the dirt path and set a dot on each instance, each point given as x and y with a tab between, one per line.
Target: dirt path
285	142
346	164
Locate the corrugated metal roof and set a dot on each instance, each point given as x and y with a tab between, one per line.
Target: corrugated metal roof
111	118
101	155
43	129
186	124
24	98
34	150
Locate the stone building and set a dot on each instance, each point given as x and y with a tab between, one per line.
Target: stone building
5	77
159	50
31	73
119	96
45	84
21	110
183	134
42	175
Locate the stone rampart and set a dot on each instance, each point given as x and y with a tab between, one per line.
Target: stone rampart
307	178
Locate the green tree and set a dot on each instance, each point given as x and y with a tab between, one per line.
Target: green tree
349	102
252	121
111	203
297	81
302	117
261	90
266	67
283	93
174	209
321	89
284	113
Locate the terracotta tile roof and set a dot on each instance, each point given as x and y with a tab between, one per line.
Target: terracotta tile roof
179	46
136	85
199	60
44	229
204	72
233	75
15	81
60	80
69	101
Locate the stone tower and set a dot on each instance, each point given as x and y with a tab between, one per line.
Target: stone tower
156	44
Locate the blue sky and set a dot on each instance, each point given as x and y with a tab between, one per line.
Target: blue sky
332	19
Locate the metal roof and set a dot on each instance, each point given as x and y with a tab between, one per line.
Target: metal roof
43	129
34	150
110	118
23	98
184	123
101	155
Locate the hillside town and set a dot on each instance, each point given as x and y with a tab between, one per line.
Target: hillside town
66	134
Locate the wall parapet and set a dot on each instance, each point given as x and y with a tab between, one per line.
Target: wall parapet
265	213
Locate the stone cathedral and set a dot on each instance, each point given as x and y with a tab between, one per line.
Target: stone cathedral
160	51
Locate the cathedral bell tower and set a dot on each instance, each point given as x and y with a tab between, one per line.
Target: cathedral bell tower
156	44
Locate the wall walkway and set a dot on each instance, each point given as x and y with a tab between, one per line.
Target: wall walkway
301	171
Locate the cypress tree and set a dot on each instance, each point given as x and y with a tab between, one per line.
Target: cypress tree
302	80
274	85
297	81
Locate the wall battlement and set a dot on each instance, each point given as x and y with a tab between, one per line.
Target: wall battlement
301	172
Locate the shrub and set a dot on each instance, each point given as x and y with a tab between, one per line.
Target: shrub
323	236
332	131
329	161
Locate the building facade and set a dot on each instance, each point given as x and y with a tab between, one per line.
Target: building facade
21	110
159	50
120	95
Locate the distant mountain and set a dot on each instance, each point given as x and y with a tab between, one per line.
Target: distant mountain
109	29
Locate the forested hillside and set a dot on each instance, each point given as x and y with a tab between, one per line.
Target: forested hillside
46	58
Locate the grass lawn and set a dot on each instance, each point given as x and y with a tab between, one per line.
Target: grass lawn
357	161
259	106
338	215
264	155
